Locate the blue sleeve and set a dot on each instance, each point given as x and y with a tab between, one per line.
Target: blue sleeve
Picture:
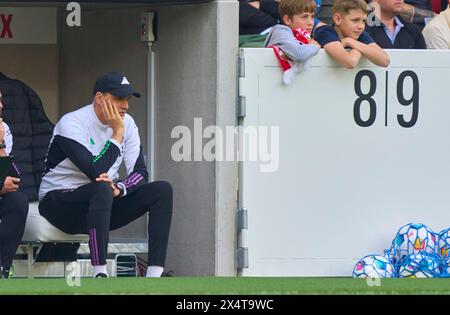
365	38
326	34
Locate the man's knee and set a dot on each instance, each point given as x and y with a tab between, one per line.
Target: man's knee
164	189
102	192
102	188
166	196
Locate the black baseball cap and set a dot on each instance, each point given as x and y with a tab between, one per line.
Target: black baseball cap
116	84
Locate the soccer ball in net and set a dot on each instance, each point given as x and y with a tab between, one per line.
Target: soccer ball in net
446	267
444	251
424	265
444	243
373	266
413	239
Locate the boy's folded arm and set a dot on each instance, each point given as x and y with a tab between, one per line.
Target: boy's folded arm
348	59
373	52
299	53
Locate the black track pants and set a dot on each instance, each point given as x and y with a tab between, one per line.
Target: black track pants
13	215
91	209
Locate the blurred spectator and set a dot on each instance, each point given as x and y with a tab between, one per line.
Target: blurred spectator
257	16
437	31
390	30
326	12
413	11
435	6
417	12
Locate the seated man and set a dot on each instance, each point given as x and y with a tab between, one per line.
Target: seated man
13	206
80	194
390	30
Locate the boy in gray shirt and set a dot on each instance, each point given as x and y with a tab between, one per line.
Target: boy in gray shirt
295	14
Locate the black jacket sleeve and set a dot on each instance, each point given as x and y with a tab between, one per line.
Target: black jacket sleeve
271	7
137	177
254	21
89	164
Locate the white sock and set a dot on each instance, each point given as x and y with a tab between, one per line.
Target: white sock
154	271
100	269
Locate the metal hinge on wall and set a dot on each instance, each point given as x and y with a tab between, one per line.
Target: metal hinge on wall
242	251
241	66
241	99
241	110
242	257
242	223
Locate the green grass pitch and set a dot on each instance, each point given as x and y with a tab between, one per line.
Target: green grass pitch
225	286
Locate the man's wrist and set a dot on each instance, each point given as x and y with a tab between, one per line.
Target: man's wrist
2	144
118	135
121	189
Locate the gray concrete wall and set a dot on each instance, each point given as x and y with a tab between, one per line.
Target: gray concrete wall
226	172
196	77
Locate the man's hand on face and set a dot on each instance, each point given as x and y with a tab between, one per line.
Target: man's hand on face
113	118
11	184
105	178
111	114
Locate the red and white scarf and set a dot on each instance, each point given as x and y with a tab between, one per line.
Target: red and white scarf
289	67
